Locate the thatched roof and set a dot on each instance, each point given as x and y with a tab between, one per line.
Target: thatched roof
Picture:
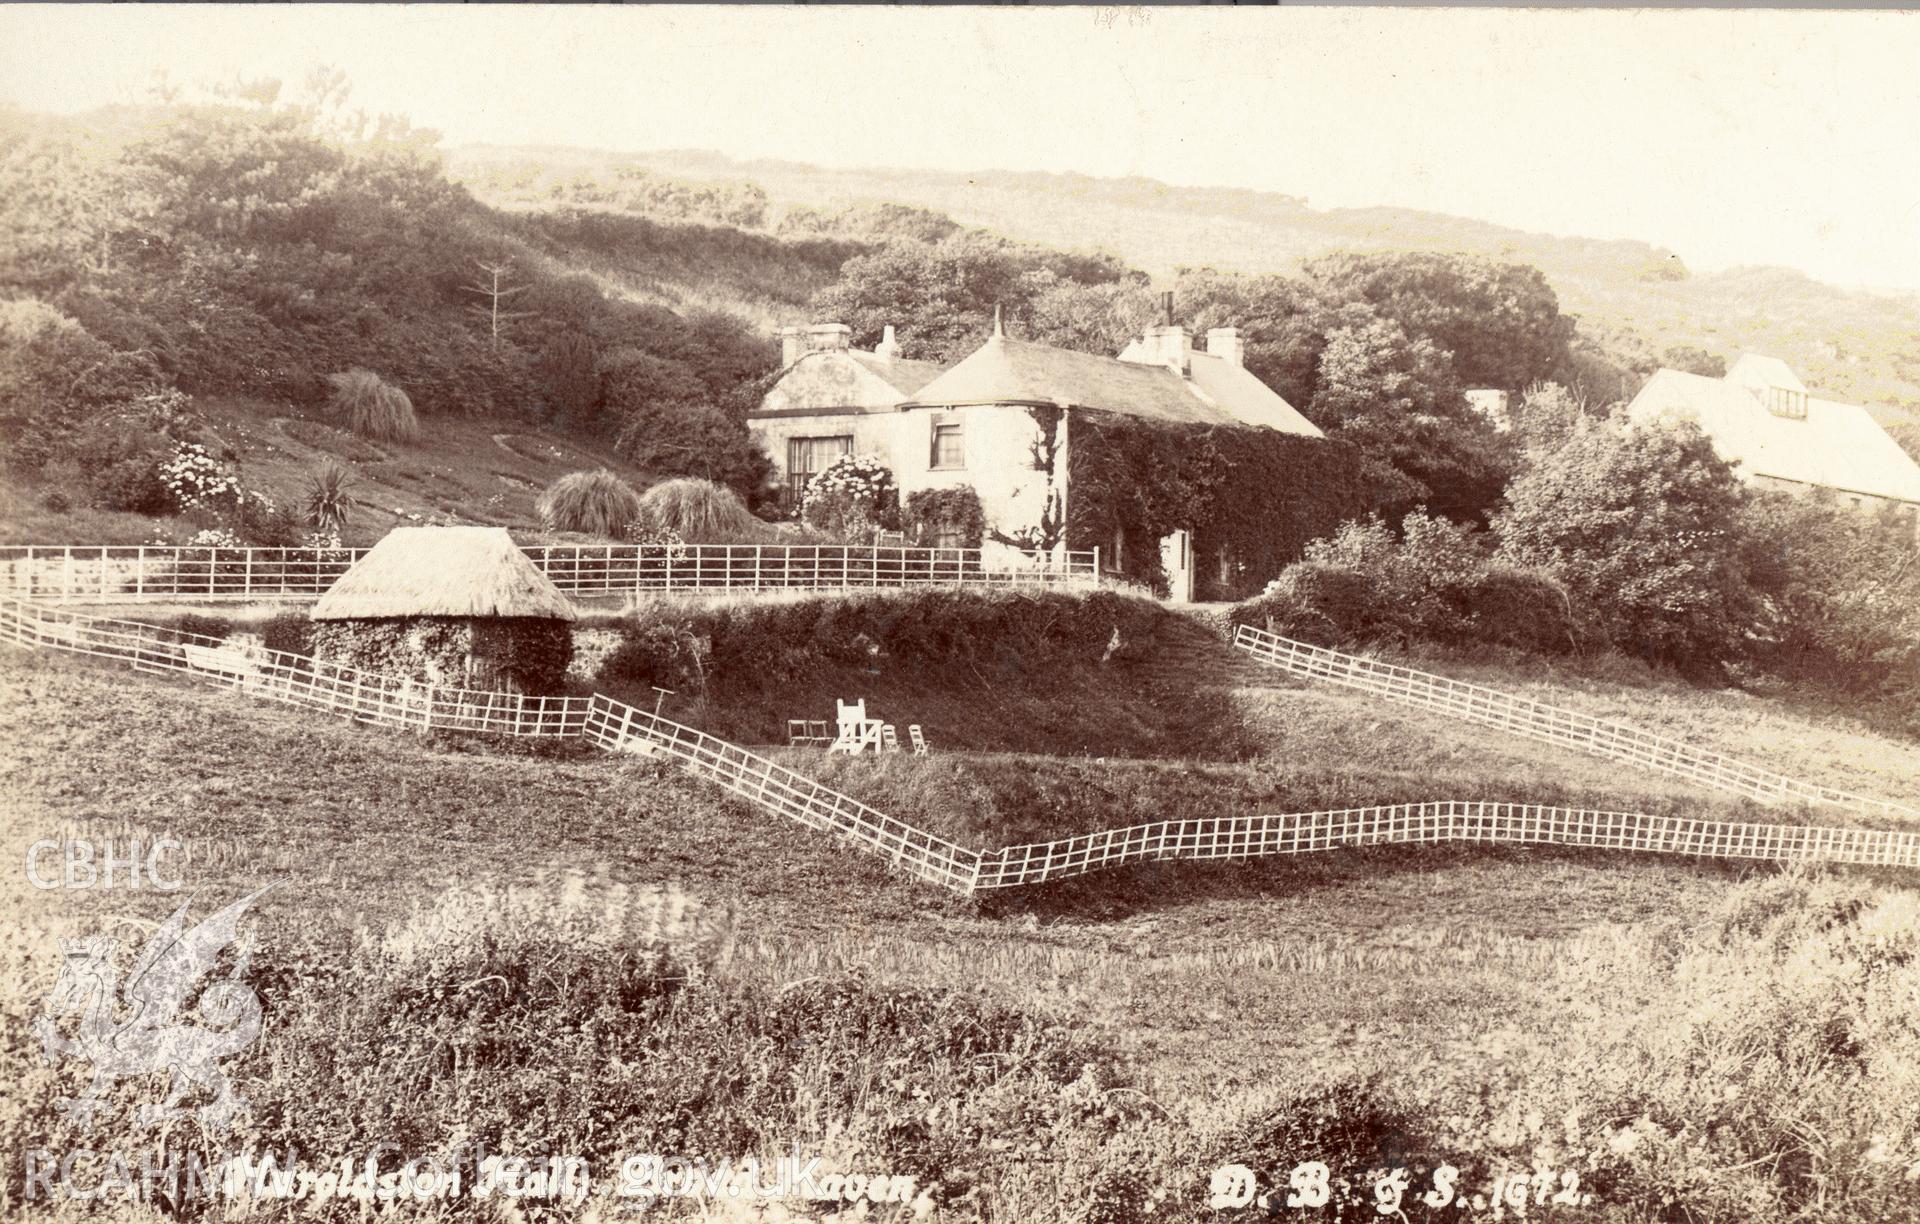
443	571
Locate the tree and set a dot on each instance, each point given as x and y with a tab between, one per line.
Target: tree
1396	398
1840	594
1098	319
1644	524
941	298
1283	323
1500	321
1547	416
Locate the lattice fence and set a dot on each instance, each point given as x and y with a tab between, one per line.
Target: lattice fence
618	727
1549	724
133	573
1245	837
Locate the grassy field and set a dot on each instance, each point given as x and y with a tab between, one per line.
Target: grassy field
676	972
1801	739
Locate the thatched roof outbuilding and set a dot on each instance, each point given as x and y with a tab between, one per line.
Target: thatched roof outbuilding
443	572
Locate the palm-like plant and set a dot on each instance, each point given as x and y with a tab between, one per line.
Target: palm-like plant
328	501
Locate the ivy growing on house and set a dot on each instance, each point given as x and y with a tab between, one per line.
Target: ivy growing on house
945	517
1252	498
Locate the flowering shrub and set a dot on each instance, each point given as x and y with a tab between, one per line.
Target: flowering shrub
854	496
214	537
321	541
196	479
657	537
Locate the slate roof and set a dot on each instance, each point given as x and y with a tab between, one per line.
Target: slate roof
838	382
902	375
1837	446
1007	371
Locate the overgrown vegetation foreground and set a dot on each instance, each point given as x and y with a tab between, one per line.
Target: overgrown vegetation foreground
436	966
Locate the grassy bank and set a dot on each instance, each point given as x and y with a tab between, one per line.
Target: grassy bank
598	956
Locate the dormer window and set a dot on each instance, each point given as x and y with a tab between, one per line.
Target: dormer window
1786	402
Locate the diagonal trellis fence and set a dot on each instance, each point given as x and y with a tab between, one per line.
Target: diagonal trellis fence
1536	720
618	727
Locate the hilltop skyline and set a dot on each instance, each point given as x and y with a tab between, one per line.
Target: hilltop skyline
1754	138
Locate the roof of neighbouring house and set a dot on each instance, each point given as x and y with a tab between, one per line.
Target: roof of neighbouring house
1753	370
1007	371
443	571
831	381
899	373
1836	446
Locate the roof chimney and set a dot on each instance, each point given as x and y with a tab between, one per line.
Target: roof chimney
826	337
793	345
1225	342
1169	344
888	349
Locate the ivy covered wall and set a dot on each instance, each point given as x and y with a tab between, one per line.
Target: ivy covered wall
1252	498
515	653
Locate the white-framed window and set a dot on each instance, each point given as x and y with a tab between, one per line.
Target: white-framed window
808	457
946	445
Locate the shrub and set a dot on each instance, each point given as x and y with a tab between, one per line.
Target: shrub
659	653
947	518
699	512
197	480
133	485
1524	609
195	625
328	502
1433	583
596	502
1644	525
374	408
120	468
57	502
289	632
1315	602
851	498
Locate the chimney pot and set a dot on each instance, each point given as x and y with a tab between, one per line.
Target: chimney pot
888	348
1225	342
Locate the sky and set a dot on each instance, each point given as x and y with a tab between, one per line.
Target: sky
1756	137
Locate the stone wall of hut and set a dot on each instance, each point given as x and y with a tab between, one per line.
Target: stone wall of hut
511	654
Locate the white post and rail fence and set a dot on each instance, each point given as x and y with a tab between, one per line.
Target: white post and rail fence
111	574
618	727
1548	724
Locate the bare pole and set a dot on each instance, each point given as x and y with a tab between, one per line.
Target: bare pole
490	285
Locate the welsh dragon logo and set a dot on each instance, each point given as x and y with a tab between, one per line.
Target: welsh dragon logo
137	1029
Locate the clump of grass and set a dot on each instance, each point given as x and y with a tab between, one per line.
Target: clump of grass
700	512
374	407
596	502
